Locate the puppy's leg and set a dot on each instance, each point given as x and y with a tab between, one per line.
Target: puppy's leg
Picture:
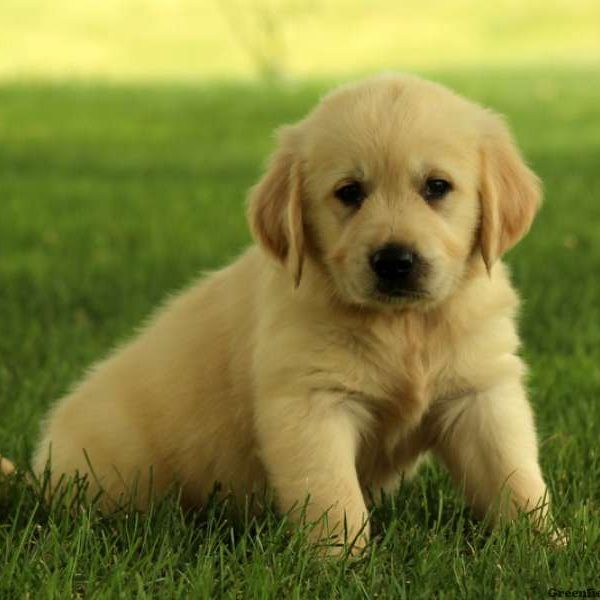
309	446
488	443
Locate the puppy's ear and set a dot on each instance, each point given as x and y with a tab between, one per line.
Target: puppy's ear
509	192
275	206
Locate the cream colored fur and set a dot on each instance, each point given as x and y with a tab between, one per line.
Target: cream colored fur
286	371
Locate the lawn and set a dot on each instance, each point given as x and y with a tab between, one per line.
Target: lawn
112	197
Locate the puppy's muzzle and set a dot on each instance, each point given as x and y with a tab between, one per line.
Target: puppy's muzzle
398	270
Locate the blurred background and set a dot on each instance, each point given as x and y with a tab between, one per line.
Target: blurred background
225	39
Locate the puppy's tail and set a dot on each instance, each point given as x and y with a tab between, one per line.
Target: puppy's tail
7	468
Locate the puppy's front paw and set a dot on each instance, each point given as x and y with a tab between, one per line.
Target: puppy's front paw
349	539
336	548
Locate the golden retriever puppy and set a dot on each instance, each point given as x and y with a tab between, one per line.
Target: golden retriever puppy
371	323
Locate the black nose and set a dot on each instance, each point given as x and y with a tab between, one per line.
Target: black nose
393	263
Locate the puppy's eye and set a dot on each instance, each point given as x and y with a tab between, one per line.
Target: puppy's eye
436	188
351	194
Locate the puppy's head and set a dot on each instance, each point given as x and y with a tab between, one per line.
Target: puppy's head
392	186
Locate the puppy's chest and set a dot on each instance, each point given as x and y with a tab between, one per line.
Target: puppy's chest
397	371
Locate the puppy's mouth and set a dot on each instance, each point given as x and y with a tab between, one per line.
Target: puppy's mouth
401	289
398	295
376	295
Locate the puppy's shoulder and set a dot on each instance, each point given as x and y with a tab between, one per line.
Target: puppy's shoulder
486	296
482	329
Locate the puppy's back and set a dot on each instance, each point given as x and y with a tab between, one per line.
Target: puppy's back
176	399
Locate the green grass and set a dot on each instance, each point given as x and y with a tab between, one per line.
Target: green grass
113	197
